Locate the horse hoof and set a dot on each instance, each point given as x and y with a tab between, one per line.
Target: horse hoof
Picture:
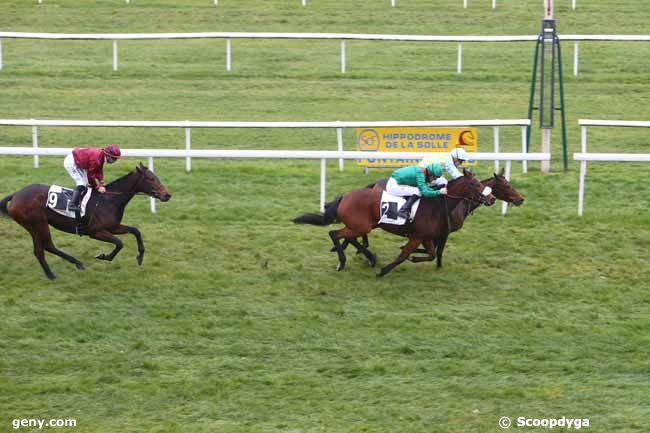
139	260
372	261
101	256
340	266
80	266
51	276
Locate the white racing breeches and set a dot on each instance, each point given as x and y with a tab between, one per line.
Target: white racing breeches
79	175
392	187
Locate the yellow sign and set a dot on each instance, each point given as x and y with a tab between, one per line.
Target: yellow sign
441	140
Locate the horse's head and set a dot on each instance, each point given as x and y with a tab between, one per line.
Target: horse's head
470	188
151	185
503	190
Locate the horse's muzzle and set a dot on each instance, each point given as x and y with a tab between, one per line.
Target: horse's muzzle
165	197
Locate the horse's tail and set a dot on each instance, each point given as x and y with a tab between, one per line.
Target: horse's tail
321	219
3	205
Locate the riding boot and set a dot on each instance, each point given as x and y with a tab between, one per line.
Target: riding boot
405	210
75	202
75	205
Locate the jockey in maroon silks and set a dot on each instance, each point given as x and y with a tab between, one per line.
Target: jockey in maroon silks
86	167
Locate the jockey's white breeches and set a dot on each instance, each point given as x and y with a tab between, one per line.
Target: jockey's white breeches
439	181
79	175
392	187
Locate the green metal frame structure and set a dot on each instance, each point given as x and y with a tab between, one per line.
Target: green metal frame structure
531	107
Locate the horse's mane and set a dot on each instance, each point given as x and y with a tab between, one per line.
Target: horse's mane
115	185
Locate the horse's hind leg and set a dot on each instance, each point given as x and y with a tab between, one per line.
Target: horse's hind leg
46	239
338	248
440	248
363	249
406	252
39	252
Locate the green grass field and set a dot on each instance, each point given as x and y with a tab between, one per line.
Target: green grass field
238	321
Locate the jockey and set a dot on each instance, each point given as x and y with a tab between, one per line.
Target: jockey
86	166
450	163
411	182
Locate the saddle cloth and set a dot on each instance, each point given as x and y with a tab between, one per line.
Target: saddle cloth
59	197
390	204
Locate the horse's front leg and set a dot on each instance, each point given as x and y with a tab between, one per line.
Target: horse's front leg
406	252
106	236
440	247
122	229
430	249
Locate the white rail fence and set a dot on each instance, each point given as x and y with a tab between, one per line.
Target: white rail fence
342	37
392	3
583	156
323	156
338	125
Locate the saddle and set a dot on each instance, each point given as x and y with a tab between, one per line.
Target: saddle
389	206
59	197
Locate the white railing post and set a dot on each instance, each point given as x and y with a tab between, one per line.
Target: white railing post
575	59
128	1
304	2
188	146
339	142
494	4
524	163
343	56
583	139
465	4
392	3
504	205
322	184
115	54
581	191
573	4
496	147
35	144
459	64
153	200
216	2
228	59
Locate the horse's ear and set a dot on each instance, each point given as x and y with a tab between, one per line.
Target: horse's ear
141	168
466	172
502	172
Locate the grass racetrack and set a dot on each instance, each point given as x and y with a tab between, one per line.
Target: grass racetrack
237	321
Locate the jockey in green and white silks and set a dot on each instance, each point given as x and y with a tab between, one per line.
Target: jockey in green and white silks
450	163
411	182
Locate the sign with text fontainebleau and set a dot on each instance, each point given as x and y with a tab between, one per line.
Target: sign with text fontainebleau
440	140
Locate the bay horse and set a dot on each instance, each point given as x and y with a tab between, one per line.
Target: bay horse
359	210
102	220
501	190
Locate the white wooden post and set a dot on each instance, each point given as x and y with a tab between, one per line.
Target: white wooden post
575	59
115	54
322	184
188	146
343	56
339	142
127	2
228	60
216	2
35	144
524	163
504	205
465	4
494	4
153	200
496	147
459	65
573	4
392	3
304	2
583	170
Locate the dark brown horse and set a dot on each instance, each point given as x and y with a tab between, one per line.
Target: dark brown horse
359	211
102	220
501	189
